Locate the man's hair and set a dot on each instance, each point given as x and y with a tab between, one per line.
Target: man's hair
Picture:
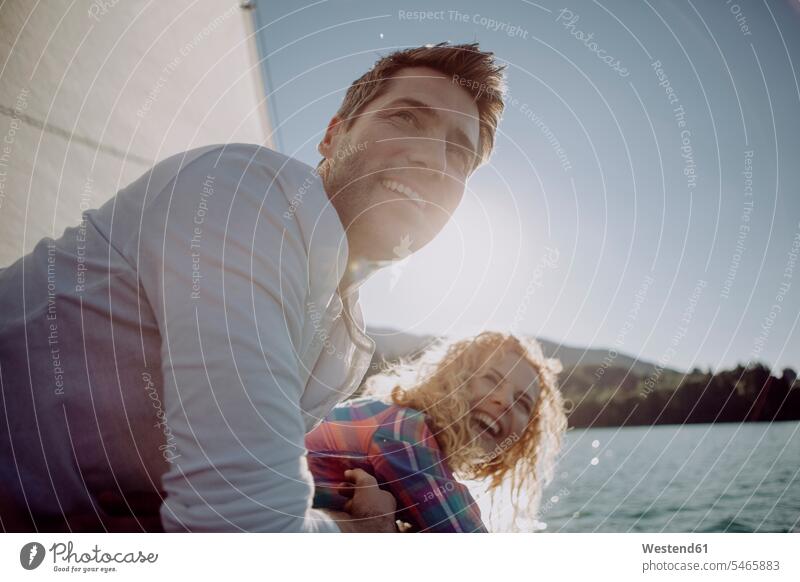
474	70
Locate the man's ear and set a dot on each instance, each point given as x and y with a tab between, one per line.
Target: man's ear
326	146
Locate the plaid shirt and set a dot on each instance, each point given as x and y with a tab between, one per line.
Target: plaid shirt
396	446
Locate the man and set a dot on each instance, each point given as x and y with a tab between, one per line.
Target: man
166	358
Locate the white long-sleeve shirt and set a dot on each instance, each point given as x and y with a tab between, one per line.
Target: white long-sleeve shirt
183	338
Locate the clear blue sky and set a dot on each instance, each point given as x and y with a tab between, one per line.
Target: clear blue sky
642	257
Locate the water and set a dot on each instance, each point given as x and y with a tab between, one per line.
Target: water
692	478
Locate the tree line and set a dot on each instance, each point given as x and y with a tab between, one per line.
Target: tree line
619	396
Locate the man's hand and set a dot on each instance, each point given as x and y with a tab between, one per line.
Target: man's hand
369	508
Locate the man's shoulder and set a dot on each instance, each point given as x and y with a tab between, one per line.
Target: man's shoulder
263	155
281	185
243	156
268	171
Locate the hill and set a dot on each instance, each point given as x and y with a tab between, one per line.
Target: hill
606	388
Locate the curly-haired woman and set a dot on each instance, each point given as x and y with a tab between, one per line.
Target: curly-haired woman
485	408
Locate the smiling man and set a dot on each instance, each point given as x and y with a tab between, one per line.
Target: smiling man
424	139
162	362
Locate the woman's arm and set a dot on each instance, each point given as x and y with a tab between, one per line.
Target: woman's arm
409	463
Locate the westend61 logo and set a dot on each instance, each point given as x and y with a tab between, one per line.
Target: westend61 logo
65	559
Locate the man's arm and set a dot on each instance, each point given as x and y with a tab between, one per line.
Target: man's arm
370	509
225	273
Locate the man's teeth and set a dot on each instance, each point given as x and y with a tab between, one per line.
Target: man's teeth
405	190
487	421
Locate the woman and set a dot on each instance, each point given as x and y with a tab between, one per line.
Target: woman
485	408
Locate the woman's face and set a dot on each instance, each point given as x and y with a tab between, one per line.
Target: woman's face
503	397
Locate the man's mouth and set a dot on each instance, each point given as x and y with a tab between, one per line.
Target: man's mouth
406	191
487	423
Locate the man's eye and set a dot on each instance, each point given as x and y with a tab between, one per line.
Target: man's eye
407	116
462	156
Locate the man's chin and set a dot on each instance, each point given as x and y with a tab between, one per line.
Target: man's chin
392	242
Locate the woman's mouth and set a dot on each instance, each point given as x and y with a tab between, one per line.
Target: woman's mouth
487	423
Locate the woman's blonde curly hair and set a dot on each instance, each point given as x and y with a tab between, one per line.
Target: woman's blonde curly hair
437	384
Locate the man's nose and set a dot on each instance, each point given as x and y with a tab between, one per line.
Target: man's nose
430	153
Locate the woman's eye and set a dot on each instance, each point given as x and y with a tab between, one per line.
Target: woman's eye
526	405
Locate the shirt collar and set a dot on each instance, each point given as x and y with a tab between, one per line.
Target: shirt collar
356	274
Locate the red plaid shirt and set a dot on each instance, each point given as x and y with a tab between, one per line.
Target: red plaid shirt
396	446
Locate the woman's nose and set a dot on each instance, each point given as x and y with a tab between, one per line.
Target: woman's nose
501	395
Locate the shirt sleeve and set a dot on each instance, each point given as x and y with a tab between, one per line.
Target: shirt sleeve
223	265
409	464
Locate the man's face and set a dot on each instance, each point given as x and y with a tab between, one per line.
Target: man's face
398	173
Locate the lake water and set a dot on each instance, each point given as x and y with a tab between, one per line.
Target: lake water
692	478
